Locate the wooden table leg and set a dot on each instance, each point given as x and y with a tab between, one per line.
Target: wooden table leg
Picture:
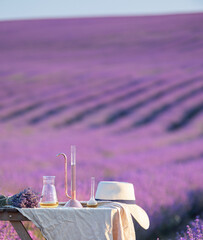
21	230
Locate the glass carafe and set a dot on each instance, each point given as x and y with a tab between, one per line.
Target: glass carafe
48	198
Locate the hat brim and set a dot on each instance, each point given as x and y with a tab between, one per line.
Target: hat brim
136	211
139	215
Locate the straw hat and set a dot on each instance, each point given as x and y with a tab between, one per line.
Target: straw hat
122	192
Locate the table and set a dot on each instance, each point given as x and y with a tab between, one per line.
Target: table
15	218
108	221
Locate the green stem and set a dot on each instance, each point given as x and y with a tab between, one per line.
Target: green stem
3	200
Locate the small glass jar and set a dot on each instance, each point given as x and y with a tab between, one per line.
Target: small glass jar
48	198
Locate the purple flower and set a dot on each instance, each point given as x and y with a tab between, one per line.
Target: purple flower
25	199
194	232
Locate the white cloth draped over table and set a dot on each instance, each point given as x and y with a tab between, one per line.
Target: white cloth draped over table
111	221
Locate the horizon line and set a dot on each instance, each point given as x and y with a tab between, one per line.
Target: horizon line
101	16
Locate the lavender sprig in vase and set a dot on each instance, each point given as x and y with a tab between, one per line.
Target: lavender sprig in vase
24	199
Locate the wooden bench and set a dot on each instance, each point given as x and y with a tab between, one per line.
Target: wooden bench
15	218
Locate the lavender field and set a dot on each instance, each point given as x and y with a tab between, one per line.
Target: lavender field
127	91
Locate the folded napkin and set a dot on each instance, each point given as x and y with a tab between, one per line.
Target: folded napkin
109	221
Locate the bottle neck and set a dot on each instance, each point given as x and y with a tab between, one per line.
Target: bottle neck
49	180
92	187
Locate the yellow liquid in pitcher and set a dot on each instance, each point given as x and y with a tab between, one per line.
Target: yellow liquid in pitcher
48	204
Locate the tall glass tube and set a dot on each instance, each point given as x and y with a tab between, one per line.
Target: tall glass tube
73	172
72	202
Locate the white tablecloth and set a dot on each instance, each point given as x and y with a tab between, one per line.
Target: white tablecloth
106	222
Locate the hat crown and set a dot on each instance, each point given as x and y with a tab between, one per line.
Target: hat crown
111	190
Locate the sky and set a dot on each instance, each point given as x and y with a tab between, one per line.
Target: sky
29	9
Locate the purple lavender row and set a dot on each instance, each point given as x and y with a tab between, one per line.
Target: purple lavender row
194	231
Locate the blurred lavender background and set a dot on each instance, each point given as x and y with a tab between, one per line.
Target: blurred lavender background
127	91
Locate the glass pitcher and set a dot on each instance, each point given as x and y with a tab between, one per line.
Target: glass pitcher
48	198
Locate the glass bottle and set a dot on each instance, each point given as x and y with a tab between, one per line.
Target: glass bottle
92	202
49	197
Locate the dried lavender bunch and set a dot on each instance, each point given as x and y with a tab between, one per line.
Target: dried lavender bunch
24	199
195	232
